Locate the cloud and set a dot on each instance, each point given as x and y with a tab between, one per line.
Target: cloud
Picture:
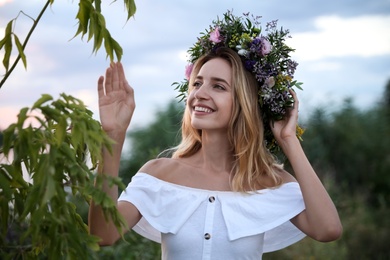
4	2
363	36
325	66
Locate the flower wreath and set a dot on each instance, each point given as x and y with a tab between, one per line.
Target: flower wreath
265	55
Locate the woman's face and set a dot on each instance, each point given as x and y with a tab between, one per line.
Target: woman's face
210	101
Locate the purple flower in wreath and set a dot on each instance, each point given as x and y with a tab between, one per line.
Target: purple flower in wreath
249	64
261	46
255	46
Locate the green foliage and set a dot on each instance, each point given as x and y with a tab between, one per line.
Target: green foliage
132	247
353	147
366	228
46	166
91	22
7	44
386	101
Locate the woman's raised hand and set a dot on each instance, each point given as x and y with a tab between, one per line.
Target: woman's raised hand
116	101
285	129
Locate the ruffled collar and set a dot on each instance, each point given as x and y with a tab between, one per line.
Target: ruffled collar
158	201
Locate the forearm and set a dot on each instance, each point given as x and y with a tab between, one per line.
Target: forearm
321	214
109	166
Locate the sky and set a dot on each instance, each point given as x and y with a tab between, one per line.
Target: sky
342	47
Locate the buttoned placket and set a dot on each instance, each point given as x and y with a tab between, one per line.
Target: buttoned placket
208	227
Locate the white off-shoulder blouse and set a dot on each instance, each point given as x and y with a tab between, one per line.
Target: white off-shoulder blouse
194	223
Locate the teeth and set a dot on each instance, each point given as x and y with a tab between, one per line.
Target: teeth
203	109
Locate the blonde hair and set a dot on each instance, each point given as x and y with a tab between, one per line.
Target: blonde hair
252	161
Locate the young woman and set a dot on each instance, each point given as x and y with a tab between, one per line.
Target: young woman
222	195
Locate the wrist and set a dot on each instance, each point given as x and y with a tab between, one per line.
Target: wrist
117	135
290	144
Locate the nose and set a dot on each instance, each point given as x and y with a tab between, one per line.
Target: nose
201	93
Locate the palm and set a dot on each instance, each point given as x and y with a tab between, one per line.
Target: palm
116	100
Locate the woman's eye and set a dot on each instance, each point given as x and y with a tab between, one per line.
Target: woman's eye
219	87
196	84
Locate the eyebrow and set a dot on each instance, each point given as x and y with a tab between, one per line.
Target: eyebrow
215	79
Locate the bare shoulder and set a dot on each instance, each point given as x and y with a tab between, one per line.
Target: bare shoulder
285	175
159	168
171	170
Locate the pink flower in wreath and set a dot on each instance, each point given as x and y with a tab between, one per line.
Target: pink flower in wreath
188	71
214	36
266	46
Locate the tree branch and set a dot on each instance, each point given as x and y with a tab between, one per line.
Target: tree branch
8	73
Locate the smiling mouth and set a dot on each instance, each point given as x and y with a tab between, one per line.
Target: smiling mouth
202	109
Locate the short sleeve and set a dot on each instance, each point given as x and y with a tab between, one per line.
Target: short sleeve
159	204
267	211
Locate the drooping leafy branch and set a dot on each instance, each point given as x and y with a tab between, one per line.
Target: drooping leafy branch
48	164
58	157
91	23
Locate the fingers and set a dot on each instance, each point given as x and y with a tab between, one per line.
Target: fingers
100	86
295	109
121	72
122	77
115	80
108	83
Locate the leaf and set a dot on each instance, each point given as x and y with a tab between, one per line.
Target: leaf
60	131
83	15
22	116
111	45
2	42
100	26
49	187
4	215
297	84
96	27
21	51
8	139
107	44
67	152
43	99
5	184
92	26
131	8
98	4
51	113
118	49
7	43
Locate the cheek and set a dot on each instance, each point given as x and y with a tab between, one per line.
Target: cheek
190	98
228	102
230	108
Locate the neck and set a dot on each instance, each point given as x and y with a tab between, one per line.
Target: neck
216	152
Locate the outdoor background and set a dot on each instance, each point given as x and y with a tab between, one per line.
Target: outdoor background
343	48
